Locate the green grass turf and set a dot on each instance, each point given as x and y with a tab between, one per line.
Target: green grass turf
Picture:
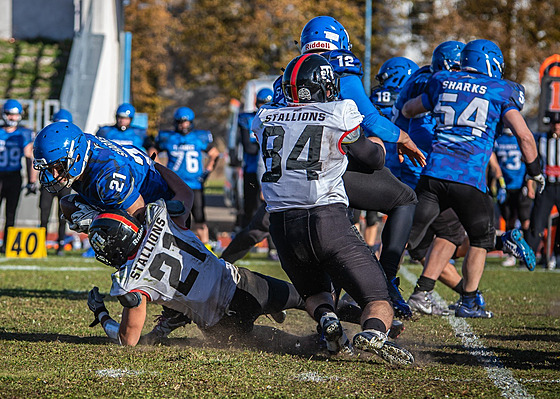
48	350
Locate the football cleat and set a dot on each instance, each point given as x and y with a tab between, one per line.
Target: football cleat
402	309
424	302
468	308
279	317
513	241
376	342
333	334
167	321
479	300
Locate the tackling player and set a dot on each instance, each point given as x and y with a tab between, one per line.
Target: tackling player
304	148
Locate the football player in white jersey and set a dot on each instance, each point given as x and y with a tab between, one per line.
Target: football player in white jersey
161	261
304	148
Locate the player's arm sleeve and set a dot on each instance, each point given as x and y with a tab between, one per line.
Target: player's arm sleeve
374	123
364	155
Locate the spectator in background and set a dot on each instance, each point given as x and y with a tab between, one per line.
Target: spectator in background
46	198
123	132
15	142
186	151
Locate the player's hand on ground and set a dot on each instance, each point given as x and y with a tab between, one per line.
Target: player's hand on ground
96	304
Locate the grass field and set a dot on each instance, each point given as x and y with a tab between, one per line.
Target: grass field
48	350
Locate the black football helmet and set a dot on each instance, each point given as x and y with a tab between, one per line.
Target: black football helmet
310	78
115	235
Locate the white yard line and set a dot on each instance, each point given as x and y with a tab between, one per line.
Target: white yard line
502	377
51	269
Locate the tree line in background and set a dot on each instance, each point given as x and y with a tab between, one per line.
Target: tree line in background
200	53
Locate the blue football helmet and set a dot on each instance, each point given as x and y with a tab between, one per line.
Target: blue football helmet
264	96
447	56
395	72
62	115
125	110
183	114
483	56
324	34
12	107
61	152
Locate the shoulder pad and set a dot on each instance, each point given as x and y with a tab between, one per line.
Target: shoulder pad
517	93
344	62
130	299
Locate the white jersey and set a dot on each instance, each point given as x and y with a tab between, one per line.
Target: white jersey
301	148
173	268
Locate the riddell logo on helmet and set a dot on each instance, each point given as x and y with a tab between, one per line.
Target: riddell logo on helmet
319	46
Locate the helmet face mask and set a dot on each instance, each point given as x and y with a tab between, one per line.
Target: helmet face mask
114	236
310	78
483	56
60	154
11	112
182	115
324	33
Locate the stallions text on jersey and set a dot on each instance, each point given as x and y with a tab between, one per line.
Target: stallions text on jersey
173	268
302	153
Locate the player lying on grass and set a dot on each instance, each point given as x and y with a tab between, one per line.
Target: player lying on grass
159	260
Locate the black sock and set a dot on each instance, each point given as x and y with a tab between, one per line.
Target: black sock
374	324
321	310
498	244
424	284
470	294
459	288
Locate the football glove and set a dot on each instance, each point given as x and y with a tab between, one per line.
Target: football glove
541	182
82	218
202	178
502	193
31	188
96	305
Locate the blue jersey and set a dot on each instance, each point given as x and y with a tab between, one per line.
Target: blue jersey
116	176
420	128
130	136
509	158
186	154
11	148
467	107
250	161
383	98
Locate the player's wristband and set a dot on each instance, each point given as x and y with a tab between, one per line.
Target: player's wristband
501	182
534	168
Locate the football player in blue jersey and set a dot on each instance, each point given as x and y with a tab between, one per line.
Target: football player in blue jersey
46	198
468	105
15	143
514	195
448	231
192	155
105	175
122	132
391	77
